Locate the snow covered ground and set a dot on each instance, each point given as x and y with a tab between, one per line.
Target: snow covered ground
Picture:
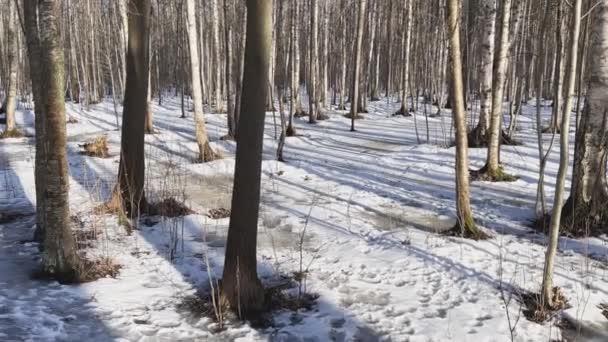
359	210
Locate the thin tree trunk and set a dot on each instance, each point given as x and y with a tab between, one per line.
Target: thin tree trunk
215	22
492	170
11	98
466	224
205	152
229	64
547	293
313	62
354	112
487	28
30	10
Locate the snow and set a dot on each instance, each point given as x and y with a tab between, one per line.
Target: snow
367	206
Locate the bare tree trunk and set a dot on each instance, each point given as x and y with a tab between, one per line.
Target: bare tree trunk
389	50
149	126
32	35
585	211
492	171
11	98
343	68
124	37
559	70
240	283
129	194
313	62
404	110
205	152
325	57
215	22
487	28
229	65
540	73
466	224
59	258
354	112
294	70
547	286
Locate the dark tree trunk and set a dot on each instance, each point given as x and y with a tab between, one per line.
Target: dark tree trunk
129	193
240	284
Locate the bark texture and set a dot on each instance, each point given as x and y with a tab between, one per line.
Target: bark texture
129	193
586	211
240	283
466	223
205	152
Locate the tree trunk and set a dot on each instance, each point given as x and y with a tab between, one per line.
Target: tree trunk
149	125
405	110
466	224
313	62
216	49
129	194
547	293
229	64
354	112
30	11
487	27
492	171
585	211
59	258
205	152
294	71
11	98
240	283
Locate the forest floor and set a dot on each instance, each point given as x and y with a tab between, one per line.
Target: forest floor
358	213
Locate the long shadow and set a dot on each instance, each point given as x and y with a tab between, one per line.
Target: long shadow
181	242
447	264
32	310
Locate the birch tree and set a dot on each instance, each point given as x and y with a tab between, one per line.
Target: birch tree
547	291
205	152
59	258
585	212
487	25
466	224
493	171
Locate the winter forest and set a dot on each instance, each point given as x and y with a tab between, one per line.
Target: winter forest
303	170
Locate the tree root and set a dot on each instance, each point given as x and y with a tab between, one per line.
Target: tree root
291	131
468	230
13	133
402	112
357	116
208	154
486	175
300	113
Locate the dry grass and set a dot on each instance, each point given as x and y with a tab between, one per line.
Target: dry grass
14	133
536	311
98	147
169	207
218	213
205	304
91	270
